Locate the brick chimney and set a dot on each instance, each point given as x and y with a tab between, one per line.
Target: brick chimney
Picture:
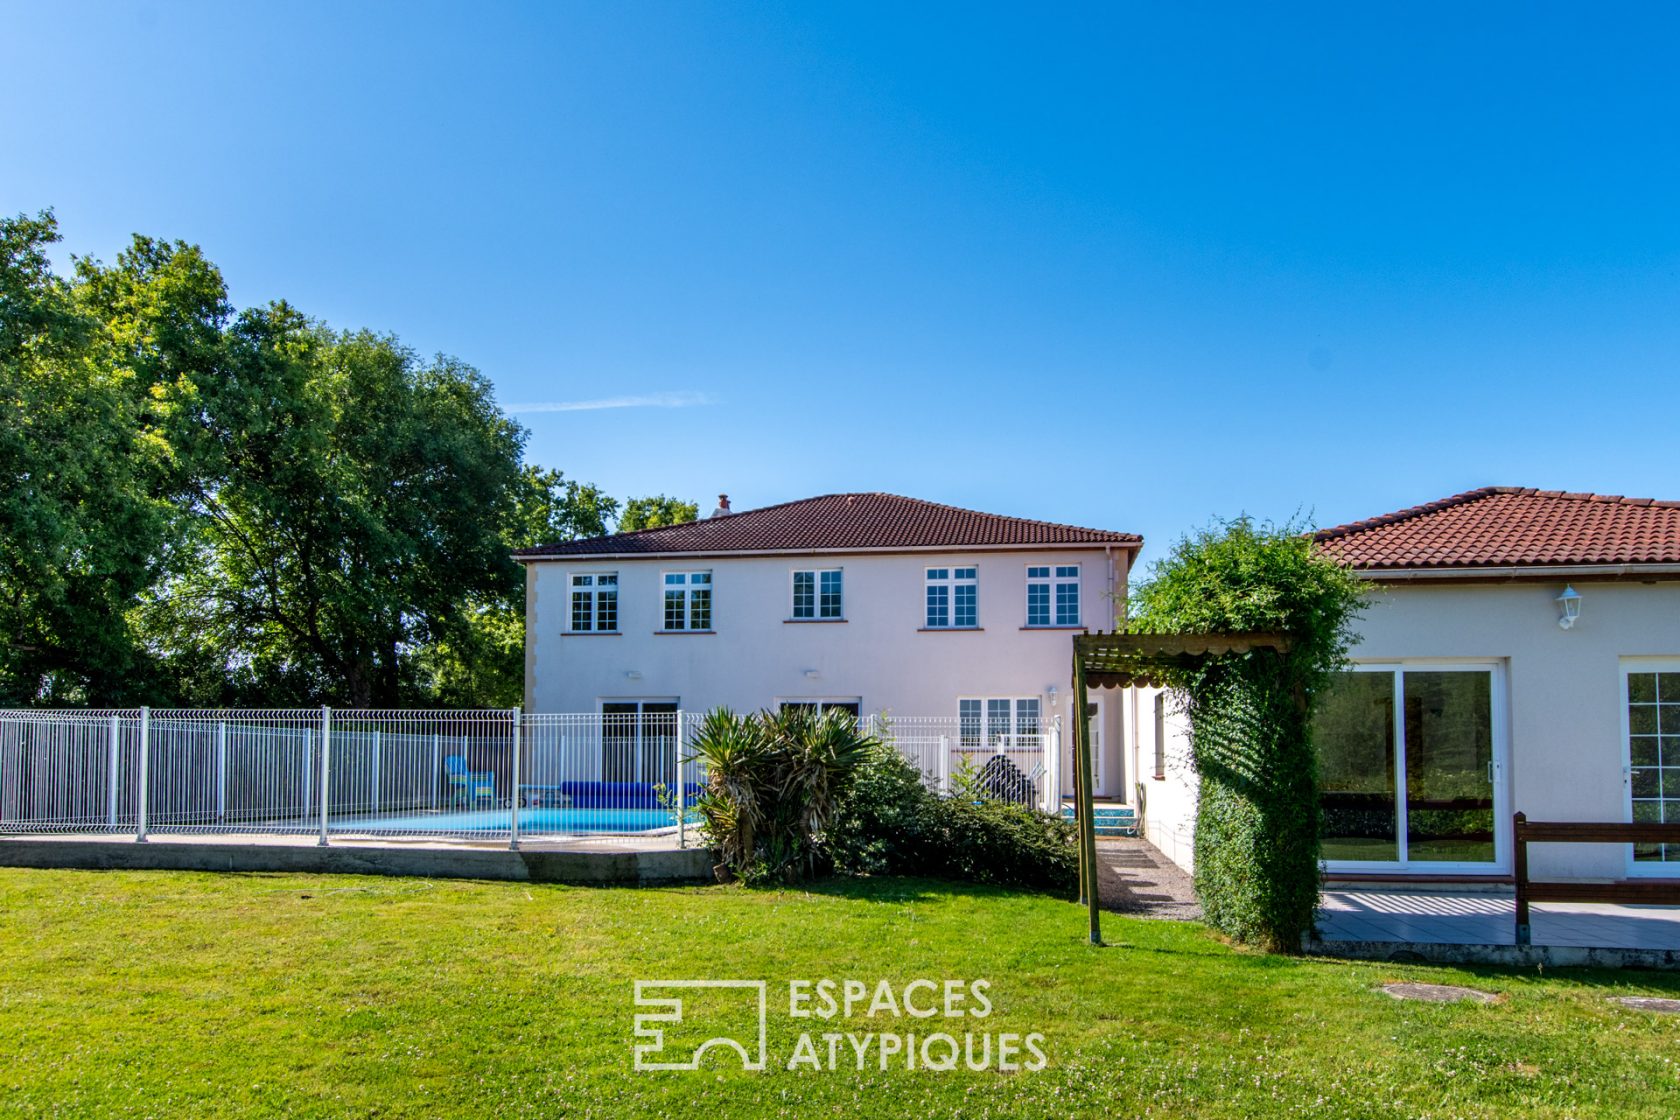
722	506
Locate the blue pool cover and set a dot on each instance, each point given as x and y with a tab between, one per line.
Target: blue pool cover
530	820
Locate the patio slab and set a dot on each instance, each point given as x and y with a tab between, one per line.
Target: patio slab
1481	928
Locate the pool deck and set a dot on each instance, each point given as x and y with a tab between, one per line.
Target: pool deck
1480	928
638	859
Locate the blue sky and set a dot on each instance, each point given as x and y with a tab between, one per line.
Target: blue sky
1125	266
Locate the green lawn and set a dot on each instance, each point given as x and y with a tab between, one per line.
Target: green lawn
186	995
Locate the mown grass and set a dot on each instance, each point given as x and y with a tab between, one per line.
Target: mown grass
183	995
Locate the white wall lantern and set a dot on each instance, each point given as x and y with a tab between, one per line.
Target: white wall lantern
1569	607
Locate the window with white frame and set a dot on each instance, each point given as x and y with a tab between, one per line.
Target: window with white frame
998	722
594	603
953	599
1653	706
818	595
688	601
1053	595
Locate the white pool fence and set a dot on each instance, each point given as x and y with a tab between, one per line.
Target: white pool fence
496	774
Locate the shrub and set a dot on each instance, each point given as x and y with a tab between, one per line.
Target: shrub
880	822
1257	817
890	823
773	782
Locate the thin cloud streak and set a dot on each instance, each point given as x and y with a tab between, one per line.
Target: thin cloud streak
649	400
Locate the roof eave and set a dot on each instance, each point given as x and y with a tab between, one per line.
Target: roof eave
1513	573
710	554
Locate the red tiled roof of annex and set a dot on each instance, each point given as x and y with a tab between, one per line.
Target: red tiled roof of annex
839	523
1506	526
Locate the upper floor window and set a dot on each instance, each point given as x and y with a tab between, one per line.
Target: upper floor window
953	599
1053	595
688	600
595	602
818	595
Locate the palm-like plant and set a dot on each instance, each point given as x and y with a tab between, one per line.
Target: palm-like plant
774	781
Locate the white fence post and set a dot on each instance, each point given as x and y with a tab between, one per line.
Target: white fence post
114	775
944	764
374	796
145	751
513	809
437	769
221	770
326	773
1053	767
682	808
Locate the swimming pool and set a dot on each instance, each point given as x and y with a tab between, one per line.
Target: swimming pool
530	821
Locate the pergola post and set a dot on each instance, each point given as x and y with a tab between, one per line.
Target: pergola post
1087	806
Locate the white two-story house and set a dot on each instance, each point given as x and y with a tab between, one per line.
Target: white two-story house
872	603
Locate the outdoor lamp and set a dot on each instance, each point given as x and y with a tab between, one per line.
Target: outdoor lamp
1569	606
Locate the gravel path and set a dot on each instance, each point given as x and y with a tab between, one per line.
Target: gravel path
1133	878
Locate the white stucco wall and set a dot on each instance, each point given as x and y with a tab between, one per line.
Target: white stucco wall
1562	693
1564	687
879	656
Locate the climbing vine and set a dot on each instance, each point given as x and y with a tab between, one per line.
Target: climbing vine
1257	817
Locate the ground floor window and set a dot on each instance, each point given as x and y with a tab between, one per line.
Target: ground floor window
638	740
997	723
852	707
1407	765
1653	728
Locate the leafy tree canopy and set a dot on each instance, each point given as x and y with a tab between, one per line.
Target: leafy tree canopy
205	506
656	512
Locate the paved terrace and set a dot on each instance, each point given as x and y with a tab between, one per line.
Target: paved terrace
1481	927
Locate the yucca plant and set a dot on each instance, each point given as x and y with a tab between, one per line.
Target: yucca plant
773	783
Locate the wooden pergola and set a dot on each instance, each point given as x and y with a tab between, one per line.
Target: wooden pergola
1127	661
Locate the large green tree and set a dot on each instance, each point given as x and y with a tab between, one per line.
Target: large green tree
204	507
481	662
350	500
85	472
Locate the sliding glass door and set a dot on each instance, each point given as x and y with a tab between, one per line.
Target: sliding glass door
1411	765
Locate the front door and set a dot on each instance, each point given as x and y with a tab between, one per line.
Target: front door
1411	768
639	741
1099	763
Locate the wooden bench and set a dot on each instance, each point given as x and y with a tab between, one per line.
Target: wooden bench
1662	892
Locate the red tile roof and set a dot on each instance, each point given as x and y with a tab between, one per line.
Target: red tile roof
839	523
1504	526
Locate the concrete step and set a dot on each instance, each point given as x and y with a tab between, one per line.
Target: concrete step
1111	820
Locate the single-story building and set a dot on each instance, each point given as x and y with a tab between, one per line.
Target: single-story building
1520	652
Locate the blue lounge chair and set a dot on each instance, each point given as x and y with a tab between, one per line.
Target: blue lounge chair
468	787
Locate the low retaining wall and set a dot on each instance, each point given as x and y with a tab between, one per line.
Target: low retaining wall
537	865
1514	956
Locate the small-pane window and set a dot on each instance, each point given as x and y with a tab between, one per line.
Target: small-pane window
1654	757
594	603
1053	599
688	600
818	595
953	598
968	720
